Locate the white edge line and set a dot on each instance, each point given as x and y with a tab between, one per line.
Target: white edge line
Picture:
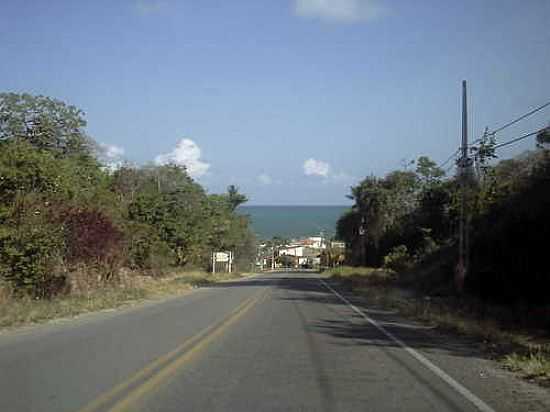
482	406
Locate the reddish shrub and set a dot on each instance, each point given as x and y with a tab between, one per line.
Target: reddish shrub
91	237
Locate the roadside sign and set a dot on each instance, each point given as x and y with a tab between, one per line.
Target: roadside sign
222	257
226	260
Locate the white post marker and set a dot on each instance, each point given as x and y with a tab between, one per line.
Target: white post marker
478	403
213	262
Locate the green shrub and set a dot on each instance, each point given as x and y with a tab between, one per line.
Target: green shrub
62	212
398	259
146	251
161	258
427	246
24	169
31	259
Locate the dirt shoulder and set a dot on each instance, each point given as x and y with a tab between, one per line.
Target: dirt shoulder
132	290
525	351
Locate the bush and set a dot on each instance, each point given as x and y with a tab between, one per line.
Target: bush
146	251
62	212
398	259
92	238
427	246
31	259
23	169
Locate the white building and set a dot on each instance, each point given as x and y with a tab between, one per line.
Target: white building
294	250
304	254
317	242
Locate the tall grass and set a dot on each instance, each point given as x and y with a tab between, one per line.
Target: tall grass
357	277
90	296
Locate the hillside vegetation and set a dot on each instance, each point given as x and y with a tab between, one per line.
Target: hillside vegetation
70	223
406	224
408	221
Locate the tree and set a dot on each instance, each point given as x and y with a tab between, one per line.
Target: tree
60	209
23	169
543	137
234	197
389	211
46	123
428	171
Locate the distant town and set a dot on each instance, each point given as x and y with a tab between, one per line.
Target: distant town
312	252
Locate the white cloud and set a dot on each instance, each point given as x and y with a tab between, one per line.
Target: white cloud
340	11
313	167
265	179
110	155
149	6
111	151
188	154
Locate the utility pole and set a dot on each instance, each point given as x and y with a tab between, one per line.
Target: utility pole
158	182
363	243
464	176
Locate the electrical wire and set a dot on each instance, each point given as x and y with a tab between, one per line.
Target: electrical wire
517	139
449	158
520	118
492	133
448	169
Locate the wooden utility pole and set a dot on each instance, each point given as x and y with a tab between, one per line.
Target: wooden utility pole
463	174
363	241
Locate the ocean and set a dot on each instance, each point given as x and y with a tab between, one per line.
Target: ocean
292	221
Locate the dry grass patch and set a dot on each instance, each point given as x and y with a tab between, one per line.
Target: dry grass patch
535	365
5	293
358	277
89	296
22	311
180	282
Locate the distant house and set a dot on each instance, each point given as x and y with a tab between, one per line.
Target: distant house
292	250
317	242
302	255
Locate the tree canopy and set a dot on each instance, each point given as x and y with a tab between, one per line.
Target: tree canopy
61	210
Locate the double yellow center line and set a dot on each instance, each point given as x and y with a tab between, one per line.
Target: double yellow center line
160	370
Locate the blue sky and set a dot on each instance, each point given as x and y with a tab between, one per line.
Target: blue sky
291	100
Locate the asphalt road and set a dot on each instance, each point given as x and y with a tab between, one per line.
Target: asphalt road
277	342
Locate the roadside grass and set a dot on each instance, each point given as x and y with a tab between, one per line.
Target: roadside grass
355	277
535	365
130	289
506	336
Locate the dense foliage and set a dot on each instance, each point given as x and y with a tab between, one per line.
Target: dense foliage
402	219
61	210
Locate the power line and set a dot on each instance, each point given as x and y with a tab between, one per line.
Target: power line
487	133
448	169
521	118
517	139
449	158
